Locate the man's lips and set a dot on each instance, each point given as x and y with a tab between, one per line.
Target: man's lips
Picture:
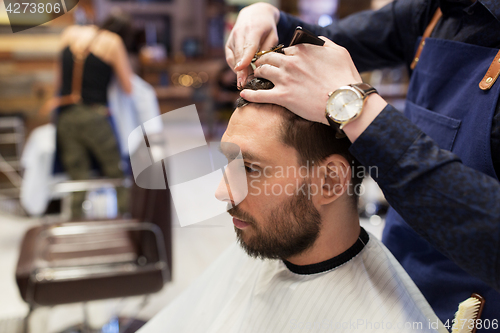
239	223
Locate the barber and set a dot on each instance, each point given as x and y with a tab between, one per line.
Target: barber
452	248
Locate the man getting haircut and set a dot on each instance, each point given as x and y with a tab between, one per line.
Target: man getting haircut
303	263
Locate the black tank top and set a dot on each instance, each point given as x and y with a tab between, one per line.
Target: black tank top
96	78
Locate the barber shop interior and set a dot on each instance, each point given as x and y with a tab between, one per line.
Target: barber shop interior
272	166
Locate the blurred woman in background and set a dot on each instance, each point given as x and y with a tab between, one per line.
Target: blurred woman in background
90	56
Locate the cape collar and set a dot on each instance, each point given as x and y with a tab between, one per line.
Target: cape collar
334	262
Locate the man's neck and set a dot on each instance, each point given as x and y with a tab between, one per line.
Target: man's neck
339	231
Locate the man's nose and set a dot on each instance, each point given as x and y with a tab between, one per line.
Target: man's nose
223	192
233	186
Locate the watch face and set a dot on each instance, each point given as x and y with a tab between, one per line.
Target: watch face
344	104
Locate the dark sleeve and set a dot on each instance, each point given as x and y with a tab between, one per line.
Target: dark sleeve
495	140
454	207
375	39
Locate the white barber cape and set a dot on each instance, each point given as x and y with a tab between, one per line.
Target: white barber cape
368	293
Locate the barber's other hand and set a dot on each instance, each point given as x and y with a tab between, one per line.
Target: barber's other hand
303	77
254	30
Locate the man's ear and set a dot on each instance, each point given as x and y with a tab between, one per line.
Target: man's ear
334	178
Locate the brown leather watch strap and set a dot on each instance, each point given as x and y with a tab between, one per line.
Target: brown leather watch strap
427	33
339	134
365	88
492	74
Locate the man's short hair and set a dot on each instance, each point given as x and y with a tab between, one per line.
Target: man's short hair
313	141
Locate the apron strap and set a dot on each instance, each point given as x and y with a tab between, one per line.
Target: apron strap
76	85
427	33
492	74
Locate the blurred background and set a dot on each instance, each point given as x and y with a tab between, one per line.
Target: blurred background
177	46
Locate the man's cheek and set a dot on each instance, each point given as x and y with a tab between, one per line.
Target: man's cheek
256	174
255	187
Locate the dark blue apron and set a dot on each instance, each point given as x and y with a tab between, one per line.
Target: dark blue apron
445	101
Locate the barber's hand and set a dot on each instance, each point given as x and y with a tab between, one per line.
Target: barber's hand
254	30
303	77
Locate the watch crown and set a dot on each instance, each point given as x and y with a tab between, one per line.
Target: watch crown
330	93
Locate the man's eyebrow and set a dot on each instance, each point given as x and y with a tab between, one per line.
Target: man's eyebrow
231	154
248	156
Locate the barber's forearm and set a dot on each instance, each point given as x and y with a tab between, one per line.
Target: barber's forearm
439	197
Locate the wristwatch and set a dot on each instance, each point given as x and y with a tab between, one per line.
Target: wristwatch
345	104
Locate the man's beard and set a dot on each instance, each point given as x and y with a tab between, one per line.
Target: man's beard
290	229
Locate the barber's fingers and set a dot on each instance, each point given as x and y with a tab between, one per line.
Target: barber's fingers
268	72
241	75
277	59
241	53
246	46
232	47
291	50
262	96
243	45
272	58
249	50
230	57
251	40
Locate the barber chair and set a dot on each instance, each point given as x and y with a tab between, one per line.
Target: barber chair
81	261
